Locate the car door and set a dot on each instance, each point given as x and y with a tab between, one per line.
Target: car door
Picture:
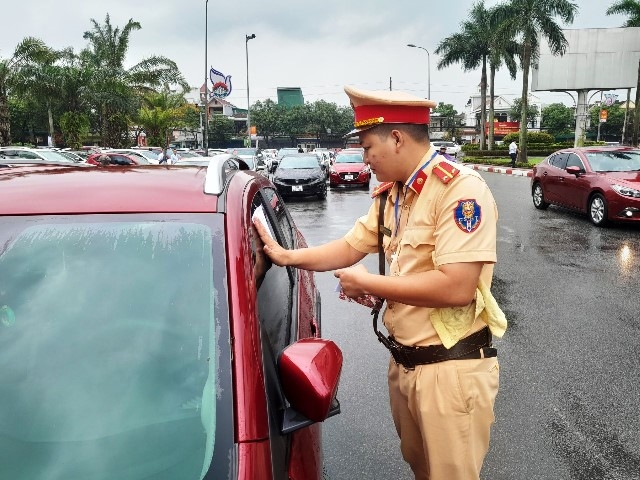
573	190
288	309
551	177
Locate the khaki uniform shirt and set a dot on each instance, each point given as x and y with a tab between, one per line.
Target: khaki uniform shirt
432	223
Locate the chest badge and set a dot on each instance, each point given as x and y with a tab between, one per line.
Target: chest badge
468	215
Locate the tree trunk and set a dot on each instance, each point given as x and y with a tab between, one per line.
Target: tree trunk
526	63
483	104
50	115
491	106
636	112
5	124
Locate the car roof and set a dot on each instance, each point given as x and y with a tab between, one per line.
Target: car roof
81	190
599	148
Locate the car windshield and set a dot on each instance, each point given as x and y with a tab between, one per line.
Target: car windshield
299	162
54	156
621	161
348	158
286	151
107	349
244	151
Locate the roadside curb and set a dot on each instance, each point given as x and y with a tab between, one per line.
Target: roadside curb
521	172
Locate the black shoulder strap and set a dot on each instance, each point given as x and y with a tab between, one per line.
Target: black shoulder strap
381	259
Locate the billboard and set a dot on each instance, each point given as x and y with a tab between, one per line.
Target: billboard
503	128
596	58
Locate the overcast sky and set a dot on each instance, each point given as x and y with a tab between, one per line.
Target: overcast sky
317	46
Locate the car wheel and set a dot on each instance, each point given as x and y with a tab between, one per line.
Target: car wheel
538	198
323	194
598	211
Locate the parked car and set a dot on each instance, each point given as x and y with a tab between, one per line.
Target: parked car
149	154
34	155
118	158
205	161
281	153
144	334
452	148
252	157
348	168
301	174
603	182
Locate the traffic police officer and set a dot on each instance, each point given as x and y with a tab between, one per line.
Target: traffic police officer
435	223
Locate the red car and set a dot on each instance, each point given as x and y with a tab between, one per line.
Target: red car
348	168
144	334
603	182
118	159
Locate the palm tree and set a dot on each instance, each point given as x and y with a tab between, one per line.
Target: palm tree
28	51
116	90
527	21
471	47
627	7
503	50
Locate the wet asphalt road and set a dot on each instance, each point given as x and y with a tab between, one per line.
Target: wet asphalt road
570	360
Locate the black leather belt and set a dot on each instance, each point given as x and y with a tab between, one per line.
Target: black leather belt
476	345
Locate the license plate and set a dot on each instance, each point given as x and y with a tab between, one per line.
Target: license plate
296	188
348	177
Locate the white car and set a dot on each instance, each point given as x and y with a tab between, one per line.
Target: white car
452	148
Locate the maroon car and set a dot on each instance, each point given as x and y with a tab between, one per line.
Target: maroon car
348	168
118	158
144	334
603	182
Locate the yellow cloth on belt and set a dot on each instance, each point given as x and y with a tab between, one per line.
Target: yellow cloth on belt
454	323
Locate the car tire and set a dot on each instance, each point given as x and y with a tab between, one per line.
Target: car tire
598	211
538	197
323	194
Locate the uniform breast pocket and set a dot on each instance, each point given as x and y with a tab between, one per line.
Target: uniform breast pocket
416	249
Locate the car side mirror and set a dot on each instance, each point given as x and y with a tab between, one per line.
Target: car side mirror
574	171
309	373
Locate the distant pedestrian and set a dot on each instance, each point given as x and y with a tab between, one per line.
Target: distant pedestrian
513	153
167	156
300	150
443	152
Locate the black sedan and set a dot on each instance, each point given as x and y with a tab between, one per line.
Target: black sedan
301	175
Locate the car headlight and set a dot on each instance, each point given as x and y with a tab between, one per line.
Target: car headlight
626	191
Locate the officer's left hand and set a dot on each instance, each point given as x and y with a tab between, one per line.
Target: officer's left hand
352	280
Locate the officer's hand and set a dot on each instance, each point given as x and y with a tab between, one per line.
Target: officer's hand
352	280
274	251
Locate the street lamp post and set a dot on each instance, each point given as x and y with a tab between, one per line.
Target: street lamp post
428	68
205	98
246	51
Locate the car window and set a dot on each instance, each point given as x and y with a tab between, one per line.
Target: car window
574	161
615	161
348	158
559	160
69	293
275	285
304	162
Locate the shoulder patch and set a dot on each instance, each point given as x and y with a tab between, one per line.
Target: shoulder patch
383	187
445	172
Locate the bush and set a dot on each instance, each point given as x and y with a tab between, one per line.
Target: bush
532	137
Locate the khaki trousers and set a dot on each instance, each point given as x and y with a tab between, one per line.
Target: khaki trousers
443	413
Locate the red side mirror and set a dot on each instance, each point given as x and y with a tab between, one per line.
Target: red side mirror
309	373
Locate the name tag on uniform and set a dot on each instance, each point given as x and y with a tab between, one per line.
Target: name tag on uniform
385	230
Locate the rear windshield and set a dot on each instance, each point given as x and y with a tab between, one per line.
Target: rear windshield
107	350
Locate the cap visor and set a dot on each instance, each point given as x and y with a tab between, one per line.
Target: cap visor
356	131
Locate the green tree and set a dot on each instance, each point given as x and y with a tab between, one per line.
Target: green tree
160	114
115	88
74	127
503	50
516	111
471	48
557	119
611	130
448	114
528	21
29	51
221	129
626	7
266	117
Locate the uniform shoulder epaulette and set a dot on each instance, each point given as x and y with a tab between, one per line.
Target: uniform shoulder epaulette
383	187
445	172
